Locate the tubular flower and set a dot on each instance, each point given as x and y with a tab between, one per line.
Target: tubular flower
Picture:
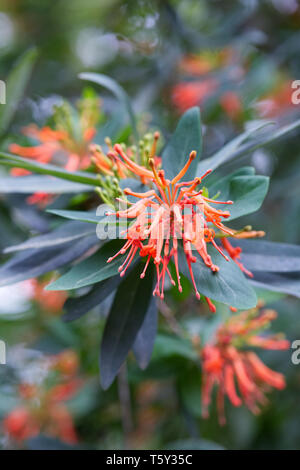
52	144
162	216
225	366
66	145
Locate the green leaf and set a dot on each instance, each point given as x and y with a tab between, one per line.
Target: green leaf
246	191
189	384
91	218
33	263
226	153
187	137
10	160
144	342
287	283
67	232
168	346
228	286
117	90
92	270
33	183
78	215
15	87
237	152
76	307
125	319
262	255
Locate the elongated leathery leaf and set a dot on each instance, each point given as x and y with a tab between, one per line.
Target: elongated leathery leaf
125	319
287	283
91	270
85	178
33	263
246	191
220	158
76	307
67	232
226	152
187	137
262	255
228	286
144	341
82	216
34	183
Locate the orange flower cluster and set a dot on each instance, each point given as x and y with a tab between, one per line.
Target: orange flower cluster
225	364
185	95
162	216
53	144
66	143
44	409
207	61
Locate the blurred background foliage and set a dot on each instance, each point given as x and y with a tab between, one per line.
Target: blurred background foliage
246	52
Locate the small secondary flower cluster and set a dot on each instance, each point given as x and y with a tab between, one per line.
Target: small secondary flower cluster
43	408
65	143
226	363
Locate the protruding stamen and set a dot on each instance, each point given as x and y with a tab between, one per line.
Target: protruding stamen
185	168
211	306
154	145
208	172
134	167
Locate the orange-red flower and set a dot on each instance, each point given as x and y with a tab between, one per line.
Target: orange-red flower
225	366
74	153
162	216
61	424
55	146
49	301
188	94
20	425
231	104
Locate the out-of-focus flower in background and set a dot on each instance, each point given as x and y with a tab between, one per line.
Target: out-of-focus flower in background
43	403
226	362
